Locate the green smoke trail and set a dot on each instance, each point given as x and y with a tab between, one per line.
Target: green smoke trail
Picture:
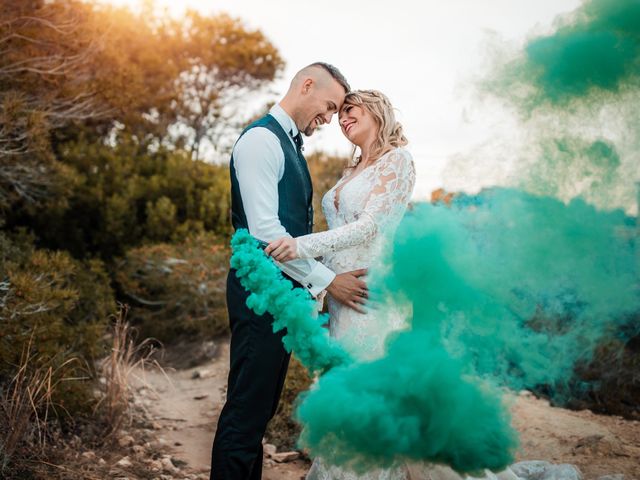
292	308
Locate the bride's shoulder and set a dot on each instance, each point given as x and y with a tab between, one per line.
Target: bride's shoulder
398	156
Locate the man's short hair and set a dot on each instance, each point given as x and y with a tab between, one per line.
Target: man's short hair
335	73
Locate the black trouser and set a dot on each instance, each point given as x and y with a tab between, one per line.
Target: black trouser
259	365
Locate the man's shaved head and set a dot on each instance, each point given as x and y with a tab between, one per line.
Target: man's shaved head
322	73
316	94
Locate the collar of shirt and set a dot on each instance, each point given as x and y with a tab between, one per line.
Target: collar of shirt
284	119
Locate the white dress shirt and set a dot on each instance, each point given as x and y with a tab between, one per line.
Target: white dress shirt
259	163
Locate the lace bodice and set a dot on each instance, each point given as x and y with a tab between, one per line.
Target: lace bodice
368	204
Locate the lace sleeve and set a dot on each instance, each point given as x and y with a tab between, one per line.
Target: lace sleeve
384	208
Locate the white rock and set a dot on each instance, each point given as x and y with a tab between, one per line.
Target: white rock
167	464
124	462
203	373
90	455
269	449
542	470
286	457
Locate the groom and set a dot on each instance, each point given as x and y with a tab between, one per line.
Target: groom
271	196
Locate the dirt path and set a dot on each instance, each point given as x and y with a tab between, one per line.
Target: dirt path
185	404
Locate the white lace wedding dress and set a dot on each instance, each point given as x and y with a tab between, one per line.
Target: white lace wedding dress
362	211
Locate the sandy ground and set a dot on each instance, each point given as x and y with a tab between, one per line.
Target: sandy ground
184	405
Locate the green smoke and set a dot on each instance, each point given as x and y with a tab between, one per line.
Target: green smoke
574	95
413	404
508	290
597	48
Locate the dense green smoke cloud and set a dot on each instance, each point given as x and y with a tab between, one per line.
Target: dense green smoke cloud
598	47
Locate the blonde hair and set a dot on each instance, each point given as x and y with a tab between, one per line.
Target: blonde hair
390	134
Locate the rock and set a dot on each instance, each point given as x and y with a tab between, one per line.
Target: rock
269	449
155	465
268	463
202	373
139	450
124	462
286	457
101	461
126	441
89	455
167	464
541	470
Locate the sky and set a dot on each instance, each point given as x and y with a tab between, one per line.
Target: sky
423	55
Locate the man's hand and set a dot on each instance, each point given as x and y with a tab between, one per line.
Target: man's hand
350	290
283	249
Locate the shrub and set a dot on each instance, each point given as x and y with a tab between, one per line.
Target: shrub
62	303
176	290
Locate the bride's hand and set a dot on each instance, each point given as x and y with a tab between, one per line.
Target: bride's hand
283	249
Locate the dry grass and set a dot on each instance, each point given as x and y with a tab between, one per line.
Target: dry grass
26	403
119	371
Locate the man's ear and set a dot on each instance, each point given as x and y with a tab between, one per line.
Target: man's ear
306	85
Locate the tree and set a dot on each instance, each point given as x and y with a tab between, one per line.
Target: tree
226	63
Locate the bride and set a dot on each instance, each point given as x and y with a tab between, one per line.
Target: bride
367	203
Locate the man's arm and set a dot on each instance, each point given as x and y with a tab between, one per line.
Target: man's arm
259	165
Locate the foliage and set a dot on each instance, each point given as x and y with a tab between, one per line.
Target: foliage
177	290
60	306
325	172
126	196
74	71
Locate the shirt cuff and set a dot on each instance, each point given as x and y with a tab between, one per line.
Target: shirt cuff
318	279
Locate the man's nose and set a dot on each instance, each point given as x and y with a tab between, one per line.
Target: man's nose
328	117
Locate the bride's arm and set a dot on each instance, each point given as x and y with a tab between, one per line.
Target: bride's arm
387	201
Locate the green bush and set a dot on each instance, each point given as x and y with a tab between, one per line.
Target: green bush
176	290
126	196
61	303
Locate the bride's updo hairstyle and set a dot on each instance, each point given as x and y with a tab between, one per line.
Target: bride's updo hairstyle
390	133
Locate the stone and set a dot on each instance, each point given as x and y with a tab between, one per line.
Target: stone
126	441
89	455
203	373
124	462
139	450
269	449
167	464
542	470
285	457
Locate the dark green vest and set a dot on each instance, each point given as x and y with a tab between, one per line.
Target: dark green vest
295	191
